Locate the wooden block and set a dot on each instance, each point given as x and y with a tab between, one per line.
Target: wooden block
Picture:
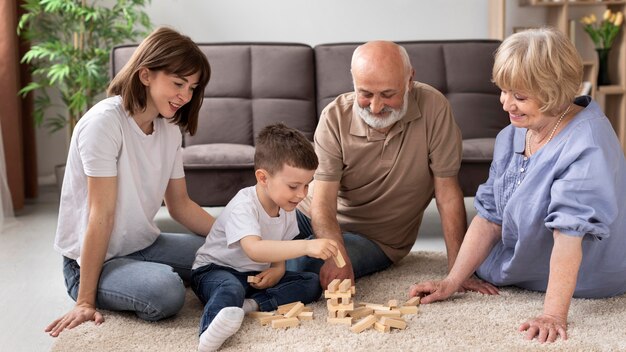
253	279
342	313
394	323
259	314
339	321
282	309
374	306
363	324
295	310
307	309
305	316
361	312
408	310
387	313
339	261
353	289
333	285
414	301
345	285
335	307
381	327
393	303
267	319
285	323
328	294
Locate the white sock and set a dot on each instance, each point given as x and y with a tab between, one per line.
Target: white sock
224	325
250	305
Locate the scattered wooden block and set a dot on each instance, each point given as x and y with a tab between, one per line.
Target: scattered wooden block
361	312
268	319
259	314
295	310
374	306
339	261
305	315
408	310
387	313
394	323
393	303
414	301
381	327
339	321
253	280
363	324
282	309
285	323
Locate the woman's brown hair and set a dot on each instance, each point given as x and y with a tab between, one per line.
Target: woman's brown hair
173	53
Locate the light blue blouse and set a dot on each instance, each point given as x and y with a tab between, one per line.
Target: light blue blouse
576	184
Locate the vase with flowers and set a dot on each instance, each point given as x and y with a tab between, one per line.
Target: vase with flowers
603	34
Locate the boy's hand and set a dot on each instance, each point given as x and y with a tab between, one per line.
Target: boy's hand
269	277
321	248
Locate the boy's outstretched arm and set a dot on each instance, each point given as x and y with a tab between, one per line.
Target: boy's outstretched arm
267	251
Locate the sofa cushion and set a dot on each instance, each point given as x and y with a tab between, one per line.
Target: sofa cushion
218	156
478	150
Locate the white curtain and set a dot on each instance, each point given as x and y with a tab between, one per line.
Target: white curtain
6	205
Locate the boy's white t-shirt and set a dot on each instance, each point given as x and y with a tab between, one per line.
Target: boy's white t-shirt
244	216
108	142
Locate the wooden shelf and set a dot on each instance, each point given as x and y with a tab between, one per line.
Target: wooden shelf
565	15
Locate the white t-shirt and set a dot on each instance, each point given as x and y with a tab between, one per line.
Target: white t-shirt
244	216
108	142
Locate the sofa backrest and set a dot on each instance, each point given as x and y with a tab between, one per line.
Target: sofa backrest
460	69
252	85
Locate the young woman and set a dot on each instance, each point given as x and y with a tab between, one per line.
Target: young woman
124	160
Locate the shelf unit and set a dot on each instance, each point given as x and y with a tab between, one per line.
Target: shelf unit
565	16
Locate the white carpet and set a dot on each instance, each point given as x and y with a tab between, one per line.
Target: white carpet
468	322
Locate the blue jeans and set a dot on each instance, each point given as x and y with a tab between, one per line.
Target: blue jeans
147	282
366	257
219	287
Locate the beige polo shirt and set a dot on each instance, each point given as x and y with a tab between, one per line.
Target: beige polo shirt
386	180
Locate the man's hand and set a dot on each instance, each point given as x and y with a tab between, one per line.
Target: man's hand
330	271
545	327
75	317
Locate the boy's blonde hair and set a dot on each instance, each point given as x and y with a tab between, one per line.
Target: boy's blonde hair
173	53
278	145
542	63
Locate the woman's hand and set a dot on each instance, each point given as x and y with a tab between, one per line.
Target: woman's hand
269	277
73	318
545	327
480	286
433	291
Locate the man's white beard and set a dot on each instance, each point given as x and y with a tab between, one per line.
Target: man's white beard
377	122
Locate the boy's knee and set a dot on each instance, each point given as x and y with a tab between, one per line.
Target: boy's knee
313	288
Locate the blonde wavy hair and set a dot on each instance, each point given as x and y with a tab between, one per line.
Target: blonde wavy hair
542	63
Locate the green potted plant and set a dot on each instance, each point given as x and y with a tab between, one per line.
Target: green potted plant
70	43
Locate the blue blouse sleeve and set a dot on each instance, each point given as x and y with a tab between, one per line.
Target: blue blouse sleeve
484	201
584	193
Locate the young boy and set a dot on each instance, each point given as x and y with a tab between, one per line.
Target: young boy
253	237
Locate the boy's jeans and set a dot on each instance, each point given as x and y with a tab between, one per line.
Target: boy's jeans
147	282
219	287
365	255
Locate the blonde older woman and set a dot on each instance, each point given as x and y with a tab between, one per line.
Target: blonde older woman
552	215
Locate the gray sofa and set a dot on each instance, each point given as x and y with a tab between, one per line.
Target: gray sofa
255	84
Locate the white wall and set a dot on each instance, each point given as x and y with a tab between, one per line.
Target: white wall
304	21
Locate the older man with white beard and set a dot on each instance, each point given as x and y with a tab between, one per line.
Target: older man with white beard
384	151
